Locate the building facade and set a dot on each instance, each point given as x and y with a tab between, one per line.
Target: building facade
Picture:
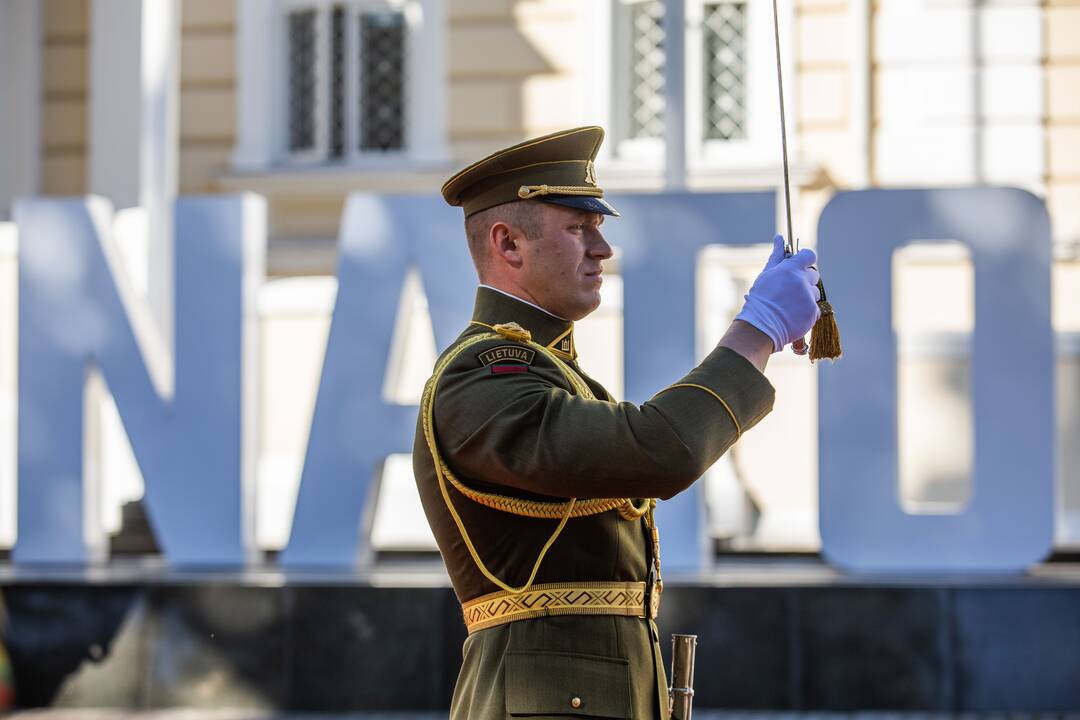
270	95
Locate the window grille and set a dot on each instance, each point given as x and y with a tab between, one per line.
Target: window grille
346	81
382	81
717	74
301	80
337	83
646	70
724	76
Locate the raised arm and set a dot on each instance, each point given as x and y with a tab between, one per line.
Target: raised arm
527	431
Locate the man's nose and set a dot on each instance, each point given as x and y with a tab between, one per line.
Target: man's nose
600	247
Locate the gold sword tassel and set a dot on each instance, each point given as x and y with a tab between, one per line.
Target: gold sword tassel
825	337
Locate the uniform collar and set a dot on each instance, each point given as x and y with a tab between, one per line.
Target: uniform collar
495	306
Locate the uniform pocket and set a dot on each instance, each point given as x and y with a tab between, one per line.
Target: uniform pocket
567	684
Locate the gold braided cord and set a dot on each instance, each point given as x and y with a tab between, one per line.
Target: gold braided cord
540	509
515	506
710	391
526	192
550	510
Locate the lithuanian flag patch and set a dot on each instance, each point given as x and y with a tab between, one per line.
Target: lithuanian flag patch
504	368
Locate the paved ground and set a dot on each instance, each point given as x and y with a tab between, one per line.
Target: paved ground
186	714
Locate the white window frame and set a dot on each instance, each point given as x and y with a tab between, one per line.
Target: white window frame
633	149
606	82
262	88
762	101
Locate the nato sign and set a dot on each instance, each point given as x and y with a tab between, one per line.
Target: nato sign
189	413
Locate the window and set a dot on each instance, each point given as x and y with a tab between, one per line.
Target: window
638	108
332	83
346	81
723	76
642	116
729	99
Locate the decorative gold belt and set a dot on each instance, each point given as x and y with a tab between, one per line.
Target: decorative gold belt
571	598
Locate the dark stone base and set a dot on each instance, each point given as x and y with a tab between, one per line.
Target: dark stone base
349	644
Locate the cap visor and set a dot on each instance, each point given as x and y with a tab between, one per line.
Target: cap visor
581	202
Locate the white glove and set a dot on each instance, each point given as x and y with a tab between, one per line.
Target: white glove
782	302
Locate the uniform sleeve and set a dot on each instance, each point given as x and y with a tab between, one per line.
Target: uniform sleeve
527	431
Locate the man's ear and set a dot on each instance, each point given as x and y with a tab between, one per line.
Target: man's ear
505	241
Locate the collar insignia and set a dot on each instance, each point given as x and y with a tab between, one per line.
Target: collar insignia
563	345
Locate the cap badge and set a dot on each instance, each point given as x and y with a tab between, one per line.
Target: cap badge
590	174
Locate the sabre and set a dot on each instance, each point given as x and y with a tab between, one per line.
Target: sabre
681	692
825	339
791	245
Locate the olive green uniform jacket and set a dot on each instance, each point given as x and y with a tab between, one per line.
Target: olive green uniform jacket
508	422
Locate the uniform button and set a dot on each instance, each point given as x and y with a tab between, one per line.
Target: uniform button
575	703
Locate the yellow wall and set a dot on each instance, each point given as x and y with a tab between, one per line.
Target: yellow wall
206	95
64	113
1062	26
512	66
207	83
822	87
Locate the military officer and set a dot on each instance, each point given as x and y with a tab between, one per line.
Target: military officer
537	484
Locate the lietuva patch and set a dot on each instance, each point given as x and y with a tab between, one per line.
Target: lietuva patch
507	353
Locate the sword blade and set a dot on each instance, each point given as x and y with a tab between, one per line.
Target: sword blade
790	244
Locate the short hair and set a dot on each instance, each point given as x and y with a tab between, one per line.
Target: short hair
525	215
